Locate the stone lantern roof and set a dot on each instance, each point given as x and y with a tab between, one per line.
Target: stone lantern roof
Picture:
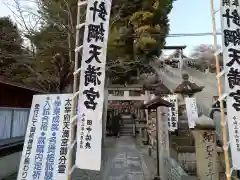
187	87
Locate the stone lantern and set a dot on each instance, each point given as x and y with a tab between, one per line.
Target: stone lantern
183	141
187	88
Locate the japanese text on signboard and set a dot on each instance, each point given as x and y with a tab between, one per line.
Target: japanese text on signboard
208	140
231	54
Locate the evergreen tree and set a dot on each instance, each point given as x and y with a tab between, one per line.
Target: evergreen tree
137	34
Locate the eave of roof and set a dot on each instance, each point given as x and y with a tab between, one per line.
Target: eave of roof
5	80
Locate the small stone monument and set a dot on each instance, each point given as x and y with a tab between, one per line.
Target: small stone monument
206	149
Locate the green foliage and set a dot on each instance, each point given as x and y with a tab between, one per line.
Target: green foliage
142	27
137	33
12	53
10	44
55	42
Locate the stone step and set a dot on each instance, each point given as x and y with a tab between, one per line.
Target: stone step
183	141
184	133
126	130
183	124
183	149
126	116
127	125
127	122
126	134
127	119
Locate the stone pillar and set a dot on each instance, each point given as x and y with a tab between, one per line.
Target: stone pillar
147	93
206	149
104	115
163	142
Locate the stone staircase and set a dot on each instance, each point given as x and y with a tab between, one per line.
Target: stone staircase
126	128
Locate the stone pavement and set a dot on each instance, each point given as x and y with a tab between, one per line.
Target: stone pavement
127	163
121	160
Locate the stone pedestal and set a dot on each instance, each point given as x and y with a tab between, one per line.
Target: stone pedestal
206	151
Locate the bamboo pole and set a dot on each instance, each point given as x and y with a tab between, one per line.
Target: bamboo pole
220	93
74	100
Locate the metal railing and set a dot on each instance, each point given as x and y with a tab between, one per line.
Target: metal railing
13	122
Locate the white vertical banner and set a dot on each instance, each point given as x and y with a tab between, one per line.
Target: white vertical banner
91	89
172	112
163	139
192	112
230	14
152	96
44	155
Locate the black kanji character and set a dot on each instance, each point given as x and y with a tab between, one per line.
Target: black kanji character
91	96
235	55
101	10
65	134
95	32
87	145
88	137
233	78
174	124
209	150
89	129
235	17
89	122
231	37
63	150
208	136
210	174
234	118
62	160
91	75
68	102
67	109
94	53
226	2
236	97
228	17
235	3
61	168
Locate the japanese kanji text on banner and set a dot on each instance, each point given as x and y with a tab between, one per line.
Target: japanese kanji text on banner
230	18
91	89
172	113
192	112
44	155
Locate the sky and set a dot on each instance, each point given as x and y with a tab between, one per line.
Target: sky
187	16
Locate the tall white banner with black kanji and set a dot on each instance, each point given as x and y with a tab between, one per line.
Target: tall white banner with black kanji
45	151
192	111
230	18
91	89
